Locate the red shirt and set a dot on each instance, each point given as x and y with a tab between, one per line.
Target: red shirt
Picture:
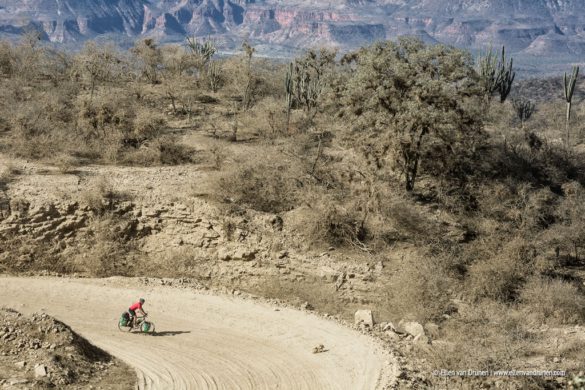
136	306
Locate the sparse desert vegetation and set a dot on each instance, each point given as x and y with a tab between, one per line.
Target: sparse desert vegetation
409	179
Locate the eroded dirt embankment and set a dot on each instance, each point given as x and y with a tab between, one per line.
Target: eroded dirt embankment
39	351
155	225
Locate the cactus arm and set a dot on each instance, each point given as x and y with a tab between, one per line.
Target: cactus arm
569	89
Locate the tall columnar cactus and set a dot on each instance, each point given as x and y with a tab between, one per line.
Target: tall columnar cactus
506	76
524	109
305	80
289	89
247	99
496	74
488	72
214	73
305	85
569	87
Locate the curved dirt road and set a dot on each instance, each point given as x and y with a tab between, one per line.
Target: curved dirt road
206	341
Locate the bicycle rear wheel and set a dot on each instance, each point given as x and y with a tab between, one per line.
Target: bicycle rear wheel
124	328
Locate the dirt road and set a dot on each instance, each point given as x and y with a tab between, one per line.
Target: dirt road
205	341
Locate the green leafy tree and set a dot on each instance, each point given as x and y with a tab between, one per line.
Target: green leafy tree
412	104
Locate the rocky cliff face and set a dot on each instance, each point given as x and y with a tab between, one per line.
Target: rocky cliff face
543	29
71	20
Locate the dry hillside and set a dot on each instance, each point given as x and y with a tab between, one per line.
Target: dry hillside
392	180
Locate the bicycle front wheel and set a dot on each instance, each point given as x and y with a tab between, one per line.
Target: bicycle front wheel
147	327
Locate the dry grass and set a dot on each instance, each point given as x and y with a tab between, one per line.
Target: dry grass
7	174
99	195
483	338
219	154
175	263
554	302
419	289
265	183
497	278
319	294
65	163
105	250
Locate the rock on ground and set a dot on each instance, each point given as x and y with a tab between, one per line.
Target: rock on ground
365	317
410	327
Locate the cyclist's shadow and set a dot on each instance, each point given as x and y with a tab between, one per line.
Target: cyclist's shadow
170	333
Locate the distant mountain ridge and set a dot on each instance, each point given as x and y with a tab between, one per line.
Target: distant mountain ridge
548	31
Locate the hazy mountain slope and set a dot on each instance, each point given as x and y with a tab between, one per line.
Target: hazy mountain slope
543	29
72	20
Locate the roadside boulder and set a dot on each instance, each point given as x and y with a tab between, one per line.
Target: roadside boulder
40	371
422	340
410	327
244	254
364	317
224	255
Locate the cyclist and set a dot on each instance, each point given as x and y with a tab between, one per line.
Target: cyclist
132	311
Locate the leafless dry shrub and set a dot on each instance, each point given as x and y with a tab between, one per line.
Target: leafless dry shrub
99	195
574	350
501	275
419	289
319	294
219	154
148	125
483	337
266	79
144	156
268	183
106	251
549	121
6	59
65	163
105	116
163	150
174	153
32	130
21	253
174	263
553	301
147	144
336	225
566	236
267	119
522	206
